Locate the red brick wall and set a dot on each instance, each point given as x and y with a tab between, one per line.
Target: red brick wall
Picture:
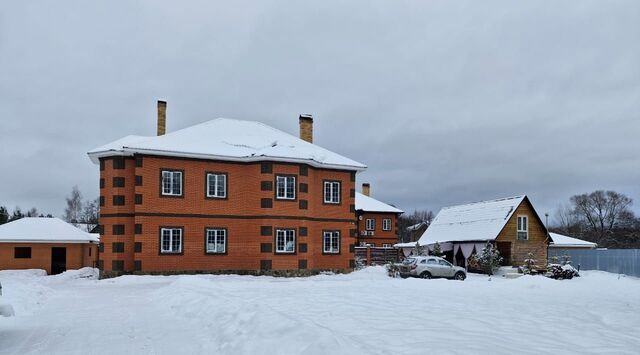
380	236
240	213
77	256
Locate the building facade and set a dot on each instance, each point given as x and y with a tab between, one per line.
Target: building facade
377	222
179	202
44	243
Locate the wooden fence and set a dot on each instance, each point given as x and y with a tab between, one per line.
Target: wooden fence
377	256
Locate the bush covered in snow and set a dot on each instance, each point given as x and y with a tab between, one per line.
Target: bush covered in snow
563	270
418	250
529	264
437	250
393	269
488	260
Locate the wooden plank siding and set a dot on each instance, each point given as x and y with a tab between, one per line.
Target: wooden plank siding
538	236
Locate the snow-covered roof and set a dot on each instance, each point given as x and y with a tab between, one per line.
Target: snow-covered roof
477	221
405	245
559	240
416	226
229	140
370	204
43	230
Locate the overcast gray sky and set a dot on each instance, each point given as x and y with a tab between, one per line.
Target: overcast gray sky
446	102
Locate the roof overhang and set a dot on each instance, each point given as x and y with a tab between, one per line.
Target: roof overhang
129	151
41	241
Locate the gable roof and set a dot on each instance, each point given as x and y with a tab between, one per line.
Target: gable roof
229	140
370	204
43	230
559	240
479	221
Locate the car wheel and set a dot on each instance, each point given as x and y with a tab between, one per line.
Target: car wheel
460	276
425	275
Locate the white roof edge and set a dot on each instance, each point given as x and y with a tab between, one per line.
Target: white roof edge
126	151
49	241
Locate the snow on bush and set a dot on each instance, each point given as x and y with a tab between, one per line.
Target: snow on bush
437	250
529	264
488	260
563	270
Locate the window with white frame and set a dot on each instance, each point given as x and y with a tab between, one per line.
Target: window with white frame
523	228
386	224
332	192
331	242
386	245
370	224
216	185
216	241
286	187
171	183
285	241
170	240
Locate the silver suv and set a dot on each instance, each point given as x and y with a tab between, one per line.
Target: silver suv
427	267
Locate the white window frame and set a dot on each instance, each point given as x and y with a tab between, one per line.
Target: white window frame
172	236
216	234
333	245
286	185
217	193
522	226
384	224
385	245
333	189
288	236
373	224
167	189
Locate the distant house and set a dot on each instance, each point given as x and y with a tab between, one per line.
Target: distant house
46	243
561	242
225	195
511	224
376	221
414	232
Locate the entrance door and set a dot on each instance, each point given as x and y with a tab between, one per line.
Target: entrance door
505	252
58	260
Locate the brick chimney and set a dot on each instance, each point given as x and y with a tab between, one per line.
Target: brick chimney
366	189
306	127
162	117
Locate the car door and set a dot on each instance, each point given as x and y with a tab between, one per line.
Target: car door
433	268
446	268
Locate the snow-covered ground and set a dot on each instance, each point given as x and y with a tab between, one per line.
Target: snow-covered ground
361	313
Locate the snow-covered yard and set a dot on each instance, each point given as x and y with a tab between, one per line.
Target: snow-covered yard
361	313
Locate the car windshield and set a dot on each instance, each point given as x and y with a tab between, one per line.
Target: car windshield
409	261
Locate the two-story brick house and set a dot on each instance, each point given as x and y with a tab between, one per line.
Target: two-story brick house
377	221
225	195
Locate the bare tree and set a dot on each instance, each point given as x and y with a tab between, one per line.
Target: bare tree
602	211
33	212
567	220
90	214
73	211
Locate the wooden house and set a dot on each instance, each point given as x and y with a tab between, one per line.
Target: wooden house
511	224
